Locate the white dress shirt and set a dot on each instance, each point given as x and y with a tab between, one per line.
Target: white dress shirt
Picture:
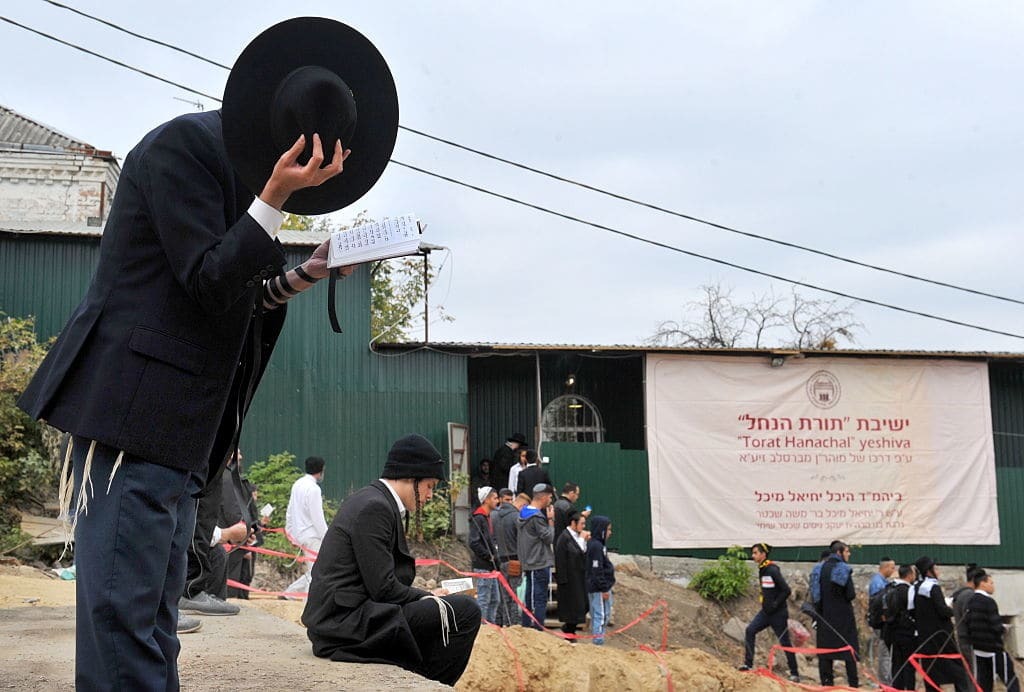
305	516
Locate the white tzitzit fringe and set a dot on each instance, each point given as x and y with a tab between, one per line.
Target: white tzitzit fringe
447	617
69	519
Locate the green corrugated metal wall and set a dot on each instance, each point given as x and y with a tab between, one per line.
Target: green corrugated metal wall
614	482
327	394
323	393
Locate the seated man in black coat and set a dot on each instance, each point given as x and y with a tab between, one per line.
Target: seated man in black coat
362	606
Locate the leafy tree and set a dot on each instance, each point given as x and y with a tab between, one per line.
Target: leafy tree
27	472
397	288
717	320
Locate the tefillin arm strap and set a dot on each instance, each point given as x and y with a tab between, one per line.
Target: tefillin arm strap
332	305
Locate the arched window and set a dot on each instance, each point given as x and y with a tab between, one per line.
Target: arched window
572	418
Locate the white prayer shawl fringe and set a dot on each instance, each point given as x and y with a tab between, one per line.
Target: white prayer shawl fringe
447	617
69	519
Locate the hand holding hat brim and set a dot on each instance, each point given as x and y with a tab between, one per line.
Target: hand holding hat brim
302	51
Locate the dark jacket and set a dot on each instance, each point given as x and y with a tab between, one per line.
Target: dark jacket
360	581
147	361
562	509
900	627
774	589
570	575
534	539
501	463
600	570
984	625
506	531
961	597
934	619
837	594
531	476
482	548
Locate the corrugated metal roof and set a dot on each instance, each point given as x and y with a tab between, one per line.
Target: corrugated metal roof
484	347
287	238
17	129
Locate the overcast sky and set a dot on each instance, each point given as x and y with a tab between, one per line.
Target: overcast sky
883	131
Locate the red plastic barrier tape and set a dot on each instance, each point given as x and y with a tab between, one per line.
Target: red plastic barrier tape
915	661
661	664
425	562
245	587
515	657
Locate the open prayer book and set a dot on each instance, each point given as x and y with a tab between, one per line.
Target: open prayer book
378	240
457	585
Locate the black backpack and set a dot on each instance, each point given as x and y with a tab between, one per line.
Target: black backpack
880	608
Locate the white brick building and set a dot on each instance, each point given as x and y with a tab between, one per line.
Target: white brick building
50	181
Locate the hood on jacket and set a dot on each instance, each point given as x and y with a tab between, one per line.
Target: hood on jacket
599	527
528	511
481	511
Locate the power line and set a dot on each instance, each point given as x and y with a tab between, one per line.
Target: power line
118	27
567	216
111	60
592	188
707	258
712	224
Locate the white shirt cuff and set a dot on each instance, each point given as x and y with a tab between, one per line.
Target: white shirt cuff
216	536
266	216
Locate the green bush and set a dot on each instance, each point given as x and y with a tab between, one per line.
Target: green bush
434	521
28	476
274	477
726	579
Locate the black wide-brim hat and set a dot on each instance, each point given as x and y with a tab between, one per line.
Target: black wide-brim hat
306	75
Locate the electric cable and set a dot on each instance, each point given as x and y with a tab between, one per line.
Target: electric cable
568	216
587	186
697	255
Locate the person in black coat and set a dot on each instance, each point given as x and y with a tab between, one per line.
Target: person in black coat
362	607
837	625
935	628
571	574
505	457
159	362
774	611
985	628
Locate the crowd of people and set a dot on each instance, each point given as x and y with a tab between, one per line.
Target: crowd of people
960	638
522	531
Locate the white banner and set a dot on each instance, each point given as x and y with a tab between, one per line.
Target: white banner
868	451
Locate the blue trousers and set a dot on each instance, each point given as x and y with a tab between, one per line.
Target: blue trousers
130	562
487	596
536	600
600	609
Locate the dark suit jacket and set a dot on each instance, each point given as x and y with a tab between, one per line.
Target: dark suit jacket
148	360
531	476
361	579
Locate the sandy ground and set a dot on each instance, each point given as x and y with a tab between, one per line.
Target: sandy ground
264	648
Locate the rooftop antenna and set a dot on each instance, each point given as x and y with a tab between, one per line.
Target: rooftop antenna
197	104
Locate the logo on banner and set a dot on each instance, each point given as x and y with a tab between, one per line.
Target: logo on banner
823	389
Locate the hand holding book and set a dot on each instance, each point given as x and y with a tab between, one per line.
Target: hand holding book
373	241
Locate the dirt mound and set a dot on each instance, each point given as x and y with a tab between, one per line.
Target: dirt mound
501	658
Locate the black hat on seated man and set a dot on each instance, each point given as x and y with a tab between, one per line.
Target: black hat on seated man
303	76
413	457
519	438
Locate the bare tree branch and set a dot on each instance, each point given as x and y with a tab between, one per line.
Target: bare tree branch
715	320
